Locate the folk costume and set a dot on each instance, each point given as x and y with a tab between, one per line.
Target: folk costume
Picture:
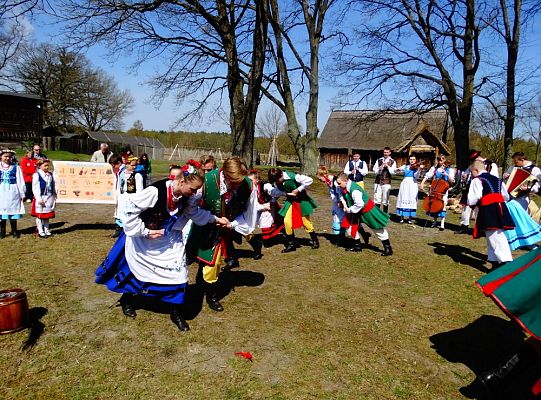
523	196
384	167
297	209
271	222
360	208
448	175
44	202
466	214
489	194
212	246
527	232
12	193
128	183
406	202
356	171
516	289
137	265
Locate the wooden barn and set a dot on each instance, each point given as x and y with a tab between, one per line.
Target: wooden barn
21	117
369	132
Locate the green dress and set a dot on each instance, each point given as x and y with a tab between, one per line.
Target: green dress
370	215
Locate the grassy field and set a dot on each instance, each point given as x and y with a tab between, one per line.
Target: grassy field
321	324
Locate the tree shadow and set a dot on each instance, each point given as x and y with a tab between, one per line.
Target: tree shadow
461	255
36	327
480	346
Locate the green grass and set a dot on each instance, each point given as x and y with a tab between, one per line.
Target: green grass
324	324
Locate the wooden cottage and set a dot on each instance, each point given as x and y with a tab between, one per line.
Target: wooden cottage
369	132
21	117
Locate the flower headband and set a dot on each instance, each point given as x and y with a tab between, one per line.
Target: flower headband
190	167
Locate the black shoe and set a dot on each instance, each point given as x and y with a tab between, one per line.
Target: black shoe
257	246
214	304
290	244
356	248
117	232
128	309
180	322
230	263
315	240
387	249
16	234
441	229
463	230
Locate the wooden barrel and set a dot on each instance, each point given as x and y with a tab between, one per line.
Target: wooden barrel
13	310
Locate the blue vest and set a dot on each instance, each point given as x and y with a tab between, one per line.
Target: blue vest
9	176
355	176
43	186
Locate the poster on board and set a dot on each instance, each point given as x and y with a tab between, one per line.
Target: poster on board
84	182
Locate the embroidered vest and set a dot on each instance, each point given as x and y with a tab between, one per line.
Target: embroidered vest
155	217
384	176
9	176
229	205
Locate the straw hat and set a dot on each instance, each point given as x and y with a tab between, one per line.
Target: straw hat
6	150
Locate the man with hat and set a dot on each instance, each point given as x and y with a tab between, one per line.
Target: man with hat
12	193
490	167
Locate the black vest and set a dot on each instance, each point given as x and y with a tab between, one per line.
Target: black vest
155	217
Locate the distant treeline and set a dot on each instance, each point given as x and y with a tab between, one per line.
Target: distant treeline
213	140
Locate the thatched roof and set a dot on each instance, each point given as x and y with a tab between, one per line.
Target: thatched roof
120	138
423	139
374	130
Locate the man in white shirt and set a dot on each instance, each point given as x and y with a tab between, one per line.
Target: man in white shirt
384	167
521	162
356	169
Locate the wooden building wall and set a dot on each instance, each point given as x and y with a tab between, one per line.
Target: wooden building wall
20	118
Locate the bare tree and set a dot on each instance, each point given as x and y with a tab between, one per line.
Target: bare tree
531	121
207	47
425	52
12	39
309	15
100	103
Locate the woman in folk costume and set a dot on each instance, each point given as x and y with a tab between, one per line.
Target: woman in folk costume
489	195
44	202
228	193
360	208
406	202
527	232
149	257
12	193
298	205
442	170
337	211
516	288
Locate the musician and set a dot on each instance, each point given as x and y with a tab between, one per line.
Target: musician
489	194
406	202
384	167
356	169
441	170
492	168
360	208
521	162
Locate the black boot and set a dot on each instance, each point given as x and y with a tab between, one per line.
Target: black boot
178	320
386	209
230	263
315	240
520	362
257	245
2	228
211	291
126	302
387	249
290	244
14	232
356	246
364	234
116	233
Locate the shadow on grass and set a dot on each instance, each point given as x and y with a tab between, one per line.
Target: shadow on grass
461	255
481	346
83	227
348	242
36	327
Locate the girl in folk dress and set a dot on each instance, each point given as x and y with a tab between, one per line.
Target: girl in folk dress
406	202
12	193
44	202
442	170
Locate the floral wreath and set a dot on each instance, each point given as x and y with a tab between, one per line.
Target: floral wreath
190	167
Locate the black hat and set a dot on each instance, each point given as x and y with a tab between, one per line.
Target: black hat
473	154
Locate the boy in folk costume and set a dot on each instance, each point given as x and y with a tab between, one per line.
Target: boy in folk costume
228	193
489	194
12	193
44	202
360	208
149	257
298	205
338	213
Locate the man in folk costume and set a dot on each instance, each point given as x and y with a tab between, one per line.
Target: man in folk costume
466	178
360	208
523	194
356	169
489	194
149	257
298	205
227	193
384	167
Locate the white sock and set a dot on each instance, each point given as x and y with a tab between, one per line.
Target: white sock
39	224
46	225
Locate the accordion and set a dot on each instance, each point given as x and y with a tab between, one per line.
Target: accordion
518	178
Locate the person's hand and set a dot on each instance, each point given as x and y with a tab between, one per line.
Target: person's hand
506	175
222	221
42	203
155	233
266	207
294	193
